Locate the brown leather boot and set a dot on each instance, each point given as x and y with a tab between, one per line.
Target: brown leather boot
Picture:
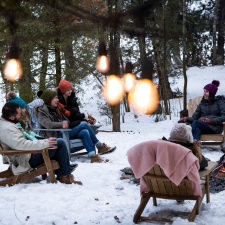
96	159
69	180
105	149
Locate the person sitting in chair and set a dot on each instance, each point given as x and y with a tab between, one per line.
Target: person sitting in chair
50	116
12	137
68	101
209	115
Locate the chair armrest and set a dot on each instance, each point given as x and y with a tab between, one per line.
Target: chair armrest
211	166
19	152
52	129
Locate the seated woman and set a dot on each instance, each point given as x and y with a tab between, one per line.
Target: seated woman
50	116
24	122
68	100
209	115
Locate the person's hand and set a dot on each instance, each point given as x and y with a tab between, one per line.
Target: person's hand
182	120
65	124
52	142
205	120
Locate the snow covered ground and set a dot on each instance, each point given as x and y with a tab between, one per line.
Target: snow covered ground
103	195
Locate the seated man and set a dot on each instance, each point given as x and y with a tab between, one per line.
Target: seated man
12	137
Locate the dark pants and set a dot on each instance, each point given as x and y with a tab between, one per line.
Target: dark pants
199	128
59	154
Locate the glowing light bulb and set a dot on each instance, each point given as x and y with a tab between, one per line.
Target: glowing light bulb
145	97
13	70
129	82
113	91
102	64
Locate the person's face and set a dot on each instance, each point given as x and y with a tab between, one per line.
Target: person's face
68	92
18	115
23	110
206	94
54	102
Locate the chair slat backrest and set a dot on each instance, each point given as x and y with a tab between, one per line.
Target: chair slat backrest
158	183
193	104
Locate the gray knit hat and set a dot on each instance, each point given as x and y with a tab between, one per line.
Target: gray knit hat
181	132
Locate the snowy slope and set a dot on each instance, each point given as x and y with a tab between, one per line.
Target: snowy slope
103	195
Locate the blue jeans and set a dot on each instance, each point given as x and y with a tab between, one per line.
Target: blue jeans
60	154
199	128
84	132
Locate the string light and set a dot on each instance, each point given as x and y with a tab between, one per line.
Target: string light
129	78
102	63
13	69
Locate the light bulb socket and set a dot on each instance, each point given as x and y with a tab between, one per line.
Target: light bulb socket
147	69
102	49
128	67
13	52
114	67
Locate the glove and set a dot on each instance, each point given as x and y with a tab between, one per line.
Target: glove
182	120
85	115
91	120
205	120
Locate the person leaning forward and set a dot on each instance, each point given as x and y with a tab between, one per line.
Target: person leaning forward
12	137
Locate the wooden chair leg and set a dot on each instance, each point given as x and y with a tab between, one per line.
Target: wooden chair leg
49	166
44	176
144	201
154	201
193	213
207	189
14	180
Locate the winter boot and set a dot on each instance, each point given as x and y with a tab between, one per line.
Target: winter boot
96	159
198	143
69	179
105	149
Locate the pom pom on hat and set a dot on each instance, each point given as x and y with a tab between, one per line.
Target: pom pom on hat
64	85
11	97
216	82
213	87
39	93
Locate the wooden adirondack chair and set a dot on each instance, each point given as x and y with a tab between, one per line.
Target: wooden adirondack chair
207	139
160	186
48	167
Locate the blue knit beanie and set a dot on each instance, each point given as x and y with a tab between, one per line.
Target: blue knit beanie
11	97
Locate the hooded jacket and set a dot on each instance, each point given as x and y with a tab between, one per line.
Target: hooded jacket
214	111
12	138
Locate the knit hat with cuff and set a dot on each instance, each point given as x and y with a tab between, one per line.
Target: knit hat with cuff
64	85
11	97
46	95
213	87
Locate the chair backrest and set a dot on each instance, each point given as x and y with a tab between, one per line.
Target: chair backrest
193	104
33	118
158	183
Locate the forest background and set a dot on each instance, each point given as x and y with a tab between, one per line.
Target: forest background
58	39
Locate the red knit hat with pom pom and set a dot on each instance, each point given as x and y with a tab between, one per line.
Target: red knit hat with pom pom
213	87
64	85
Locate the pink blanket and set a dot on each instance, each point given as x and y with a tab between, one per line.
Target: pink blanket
176	161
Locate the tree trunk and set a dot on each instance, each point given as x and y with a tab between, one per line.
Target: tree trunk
221	33
214	61
44	65
25	89
58	61
69	61
184	52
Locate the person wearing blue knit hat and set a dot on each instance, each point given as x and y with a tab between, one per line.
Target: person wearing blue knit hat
11	97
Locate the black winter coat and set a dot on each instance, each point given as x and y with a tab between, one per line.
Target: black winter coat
71	106
214	111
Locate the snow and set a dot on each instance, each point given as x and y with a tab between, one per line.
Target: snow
103	196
